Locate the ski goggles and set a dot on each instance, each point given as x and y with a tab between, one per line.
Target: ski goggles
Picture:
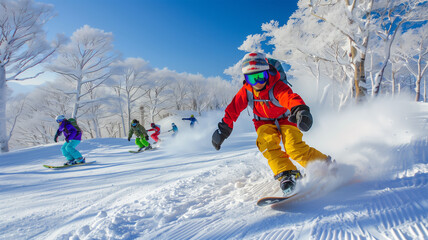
59	120
134	124
254	78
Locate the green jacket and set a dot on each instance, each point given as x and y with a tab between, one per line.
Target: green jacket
138	131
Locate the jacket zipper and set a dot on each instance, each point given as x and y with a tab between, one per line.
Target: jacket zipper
261	103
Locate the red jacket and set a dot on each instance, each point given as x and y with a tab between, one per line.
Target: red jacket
282	93
156	129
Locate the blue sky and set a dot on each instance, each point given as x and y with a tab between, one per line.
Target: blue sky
194	36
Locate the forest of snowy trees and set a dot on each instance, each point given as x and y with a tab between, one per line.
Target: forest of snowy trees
353	49
342	51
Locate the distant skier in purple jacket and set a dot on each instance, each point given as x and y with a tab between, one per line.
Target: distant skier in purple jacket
73	137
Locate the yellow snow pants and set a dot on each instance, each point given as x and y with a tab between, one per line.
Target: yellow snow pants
268	142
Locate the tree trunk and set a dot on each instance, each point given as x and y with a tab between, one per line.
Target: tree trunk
379	75
76	104
379	78
356	71
363	90
91	133
122	118
128	107
419	77
359	76
194	105
318	79
418	88
425	89
96	128
142	115
393	83
4	139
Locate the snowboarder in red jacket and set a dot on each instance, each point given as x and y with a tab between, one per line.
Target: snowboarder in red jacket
155	135
279	114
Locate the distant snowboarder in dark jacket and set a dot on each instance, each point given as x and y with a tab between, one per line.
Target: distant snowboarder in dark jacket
141	133
192	120
72	139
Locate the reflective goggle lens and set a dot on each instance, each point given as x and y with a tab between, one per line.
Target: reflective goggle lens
58	121
255	78
134	124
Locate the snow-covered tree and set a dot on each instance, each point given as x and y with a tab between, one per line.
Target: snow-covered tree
321	34
220	93
198	92
412	49
156	99
85	62
177	89
391	16
206	92
95	110
349	20
397	66
23	46
128	80
179	93
329	43
36	125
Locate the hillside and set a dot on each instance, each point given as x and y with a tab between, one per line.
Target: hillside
187	190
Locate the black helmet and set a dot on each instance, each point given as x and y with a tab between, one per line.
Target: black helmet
135	121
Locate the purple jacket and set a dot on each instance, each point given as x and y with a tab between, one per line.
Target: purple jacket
70	132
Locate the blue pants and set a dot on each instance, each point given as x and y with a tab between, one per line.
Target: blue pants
69	150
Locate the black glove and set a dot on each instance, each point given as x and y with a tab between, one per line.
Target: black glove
302	117
147	138
220	134
56	137
129	139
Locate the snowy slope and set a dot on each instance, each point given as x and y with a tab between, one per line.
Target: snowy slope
187	190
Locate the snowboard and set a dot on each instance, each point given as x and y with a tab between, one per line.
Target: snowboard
266	201
132	151
67	166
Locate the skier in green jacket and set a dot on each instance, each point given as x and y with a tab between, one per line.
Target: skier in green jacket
141	133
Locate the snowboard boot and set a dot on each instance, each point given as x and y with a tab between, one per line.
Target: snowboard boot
148	147
70	162
287	181
330	161
331	164
80	160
